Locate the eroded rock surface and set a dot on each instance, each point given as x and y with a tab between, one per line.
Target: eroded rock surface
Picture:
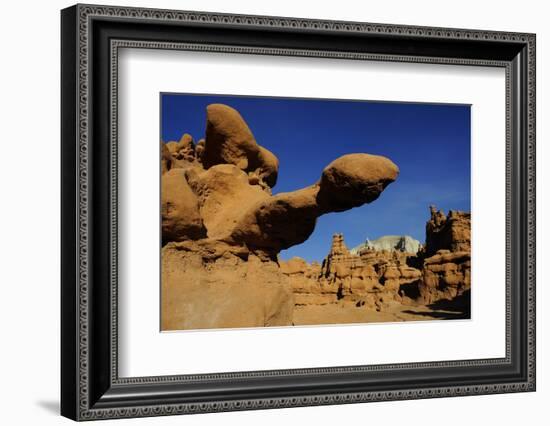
353	180
229	140
371	277
281	221
447	232
222	229
181	218
447	261
208	284
374	280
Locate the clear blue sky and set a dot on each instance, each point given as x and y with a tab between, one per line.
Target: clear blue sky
429	142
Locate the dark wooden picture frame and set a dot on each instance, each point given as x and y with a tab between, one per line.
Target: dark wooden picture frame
90	385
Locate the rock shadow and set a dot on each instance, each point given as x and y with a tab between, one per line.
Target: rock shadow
457	308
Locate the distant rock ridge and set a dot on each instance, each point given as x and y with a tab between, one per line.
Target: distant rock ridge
404	243
391	270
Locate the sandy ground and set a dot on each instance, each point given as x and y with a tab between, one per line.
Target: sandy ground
344	314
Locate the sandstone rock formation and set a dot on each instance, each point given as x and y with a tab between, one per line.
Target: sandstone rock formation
222	229
230	141
371	280
281	221
181	219
447	232
377	276
206	284
446	272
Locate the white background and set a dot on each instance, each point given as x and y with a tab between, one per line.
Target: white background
29	219
146	352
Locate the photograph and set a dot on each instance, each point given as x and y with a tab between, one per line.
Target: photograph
281	212
266	208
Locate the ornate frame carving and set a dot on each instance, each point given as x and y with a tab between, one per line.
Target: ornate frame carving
91	388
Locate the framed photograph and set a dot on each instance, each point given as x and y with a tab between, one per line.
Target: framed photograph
263	212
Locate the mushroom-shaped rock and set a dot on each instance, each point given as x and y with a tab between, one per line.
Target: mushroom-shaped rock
181	219
353	180
225	194
287	219
222	230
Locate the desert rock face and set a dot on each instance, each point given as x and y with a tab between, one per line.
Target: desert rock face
222	229
447	261
447	232
181	218
375	278
207	284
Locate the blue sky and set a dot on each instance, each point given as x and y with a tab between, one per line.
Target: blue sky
429	142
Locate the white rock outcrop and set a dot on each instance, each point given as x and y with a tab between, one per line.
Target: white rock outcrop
402	243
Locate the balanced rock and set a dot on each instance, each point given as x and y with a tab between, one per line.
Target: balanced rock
222	230
353	180
287	219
